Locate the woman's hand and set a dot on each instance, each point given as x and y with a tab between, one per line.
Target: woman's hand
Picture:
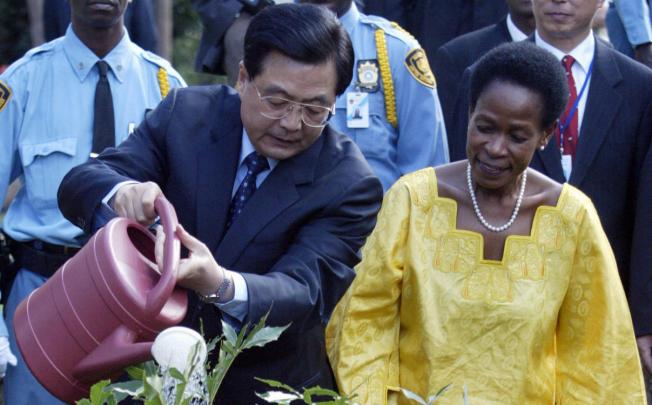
199	271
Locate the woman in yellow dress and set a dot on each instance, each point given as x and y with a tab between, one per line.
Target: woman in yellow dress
487	275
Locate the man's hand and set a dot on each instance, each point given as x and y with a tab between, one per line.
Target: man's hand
199	271
645	350
6	356
136	201
643	54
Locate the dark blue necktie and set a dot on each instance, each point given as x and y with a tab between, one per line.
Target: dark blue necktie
255	164
103	118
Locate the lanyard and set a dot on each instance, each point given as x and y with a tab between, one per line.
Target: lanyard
563	126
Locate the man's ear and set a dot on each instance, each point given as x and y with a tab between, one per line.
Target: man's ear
243	77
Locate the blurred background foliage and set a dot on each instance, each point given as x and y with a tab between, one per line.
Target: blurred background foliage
15	37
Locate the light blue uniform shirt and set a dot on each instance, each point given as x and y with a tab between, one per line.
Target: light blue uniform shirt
46	126
635	16
420	139
45	130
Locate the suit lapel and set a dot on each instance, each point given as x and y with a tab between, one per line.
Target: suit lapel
276	194
551	161
601	107
217	165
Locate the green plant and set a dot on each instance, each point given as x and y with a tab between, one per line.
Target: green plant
289	394
199	382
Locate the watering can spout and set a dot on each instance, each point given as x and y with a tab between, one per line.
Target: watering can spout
115	352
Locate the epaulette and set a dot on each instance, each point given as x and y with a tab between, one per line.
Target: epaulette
29	55
391	28
164	71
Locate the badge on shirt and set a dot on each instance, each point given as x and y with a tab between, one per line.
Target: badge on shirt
567	165
357	109
368	75
5	94
418	66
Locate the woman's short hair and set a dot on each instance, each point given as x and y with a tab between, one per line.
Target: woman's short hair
303	32
527	65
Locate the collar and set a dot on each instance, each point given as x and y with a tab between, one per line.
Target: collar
82	59
350	18
247	148
514	32
583	53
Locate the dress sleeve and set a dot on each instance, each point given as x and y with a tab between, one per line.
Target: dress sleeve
597	358
362	335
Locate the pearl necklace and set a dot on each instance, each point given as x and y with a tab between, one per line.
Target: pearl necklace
476	208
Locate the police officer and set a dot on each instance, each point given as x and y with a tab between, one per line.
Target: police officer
60	102
390	108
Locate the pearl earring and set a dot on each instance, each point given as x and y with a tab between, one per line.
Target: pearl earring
542	147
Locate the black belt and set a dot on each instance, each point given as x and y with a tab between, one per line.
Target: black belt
41	257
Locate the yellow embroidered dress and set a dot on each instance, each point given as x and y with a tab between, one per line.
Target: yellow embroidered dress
547	324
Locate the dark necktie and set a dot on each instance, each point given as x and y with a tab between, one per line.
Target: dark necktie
255	164
568	144
103	120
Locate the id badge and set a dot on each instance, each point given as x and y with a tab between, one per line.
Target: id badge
357	110
567	165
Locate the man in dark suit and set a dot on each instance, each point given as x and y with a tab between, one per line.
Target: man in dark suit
279	202
456	55
435	22
606	157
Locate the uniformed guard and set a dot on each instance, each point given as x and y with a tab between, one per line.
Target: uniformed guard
61	103
390	109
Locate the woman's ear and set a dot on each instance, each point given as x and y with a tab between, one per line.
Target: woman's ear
547	135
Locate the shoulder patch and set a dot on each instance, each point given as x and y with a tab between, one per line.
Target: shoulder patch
418	66
5	94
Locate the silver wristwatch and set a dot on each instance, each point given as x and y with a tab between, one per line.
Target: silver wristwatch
217	296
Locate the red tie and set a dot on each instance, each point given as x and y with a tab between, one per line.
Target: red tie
569	143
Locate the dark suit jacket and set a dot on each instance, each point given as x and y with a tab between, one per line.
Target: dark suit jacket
611	166
435	22
138	19
295	242
450	62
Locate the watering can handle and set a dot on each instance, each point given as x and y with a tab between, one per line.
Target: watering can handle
158	296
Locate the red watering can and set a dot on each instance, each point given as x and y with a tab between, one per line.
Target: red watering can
101	311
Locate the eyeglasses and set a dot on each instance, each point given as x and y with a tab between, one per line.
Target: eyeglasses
275	108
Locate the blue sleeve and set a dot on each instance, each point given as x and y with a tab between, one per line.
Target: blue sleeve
635	15
422	138
11	119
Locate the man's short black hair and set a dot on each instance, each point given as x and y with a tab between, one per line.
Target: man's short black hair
303	32
525	64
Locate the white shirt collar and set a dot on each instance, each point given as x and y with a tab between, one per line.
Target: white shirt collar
583	53
514	32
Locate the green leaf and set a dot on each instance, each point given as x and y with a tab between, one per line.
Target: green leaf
278	397
277	384
84	401
176	374
439	393
212	344
98	395
135	372
263	336
411	395
229	333
309	392
132	388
